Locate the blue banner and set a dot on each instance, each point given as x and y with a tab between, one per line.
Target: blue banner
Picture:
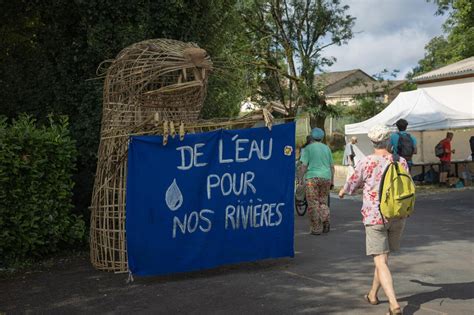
214	198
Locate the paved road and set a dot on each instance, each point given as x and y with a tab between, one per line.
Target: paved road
434	274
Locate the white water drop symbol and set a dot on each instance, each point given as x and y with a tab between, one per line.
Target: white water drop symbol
174	197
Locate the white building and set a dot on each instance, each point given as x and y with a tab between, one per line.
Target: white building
452	85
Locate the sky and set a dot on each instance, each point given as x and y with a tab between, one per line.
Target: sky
389	34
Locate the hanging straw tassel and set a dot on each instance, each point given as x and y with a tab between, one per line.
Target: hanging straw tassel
268	118
172	130
181	131
166	132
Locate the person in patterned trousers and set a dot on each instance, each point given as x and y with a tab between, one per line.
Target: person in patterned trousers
318	170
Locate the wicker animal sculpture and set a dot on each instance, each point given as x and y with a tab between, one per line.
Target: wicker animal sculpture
161	78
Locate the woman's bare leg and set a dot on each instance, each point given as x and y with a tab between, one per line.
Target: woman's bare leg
375	287
385	279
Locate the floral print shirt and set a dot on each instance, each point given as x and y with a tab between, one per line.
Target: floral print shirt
368	174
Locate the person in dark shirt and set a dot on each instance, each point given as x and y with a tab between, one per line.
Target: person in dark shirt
471	142
403	143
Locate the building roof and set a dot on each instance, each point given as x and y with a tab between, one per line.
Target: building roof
329	78
367	87
454	70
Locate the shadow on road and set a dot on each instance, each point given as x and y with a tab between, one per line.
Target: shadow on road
453	291
329	274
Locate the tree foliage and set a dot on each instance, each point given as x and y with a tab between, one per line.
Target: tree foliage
458	41
366	107
373	101
288	38
50	51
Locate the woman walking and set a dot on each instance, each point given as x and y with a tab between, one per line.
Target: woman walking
318	170
382	236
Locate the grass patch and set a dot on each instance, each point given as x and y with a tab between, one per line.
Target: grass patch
337	156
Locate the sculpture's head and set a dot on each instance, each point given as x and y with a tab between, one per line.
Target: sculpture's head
160	75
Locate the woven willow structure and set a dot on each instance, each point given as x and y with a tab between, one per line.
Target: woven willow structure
160	78
155	87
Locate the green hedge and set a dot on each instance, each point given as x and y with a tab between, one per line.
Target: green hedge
36	166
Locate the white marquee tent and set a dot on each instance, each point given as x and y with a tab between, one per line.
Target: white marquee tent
428	120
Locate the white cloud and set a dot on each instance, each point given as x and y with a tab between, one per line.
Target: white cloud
391	35
382	16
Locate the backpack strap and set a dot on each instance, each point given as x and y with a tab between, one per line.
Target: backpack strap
396	159
395	162
399	145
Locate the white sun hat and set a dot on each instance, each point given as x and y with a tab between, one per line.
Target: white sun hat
378	133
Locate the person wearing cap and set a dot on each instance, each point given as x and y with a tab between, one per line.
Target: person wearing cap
403	143
382	236
318	171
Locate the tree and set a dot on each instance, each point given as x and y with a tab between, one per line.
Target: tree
458	41
288	39
50	51
367	107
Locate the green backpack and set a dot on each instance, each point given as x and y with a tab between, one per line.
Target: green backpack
397	192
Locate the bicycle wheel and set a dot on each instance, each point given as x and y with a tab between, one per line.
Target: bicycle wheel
301	207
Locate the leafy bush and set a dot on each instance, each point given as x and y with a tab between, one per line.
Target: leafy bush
36	166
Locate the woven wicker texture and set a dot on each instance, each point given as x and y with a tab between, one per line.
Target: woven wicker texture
155	80
155	87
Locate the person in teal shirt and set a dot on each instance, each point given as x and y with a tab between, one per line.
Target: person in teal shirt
318	170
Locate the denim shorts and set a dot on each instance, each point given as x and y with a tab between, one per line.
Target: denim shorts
381	239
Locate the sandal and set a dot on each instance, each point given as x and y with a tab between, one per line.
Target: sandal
368	300
326	227
395	311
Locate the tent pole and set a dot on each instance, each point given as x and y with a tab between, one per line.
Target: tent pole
422	147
